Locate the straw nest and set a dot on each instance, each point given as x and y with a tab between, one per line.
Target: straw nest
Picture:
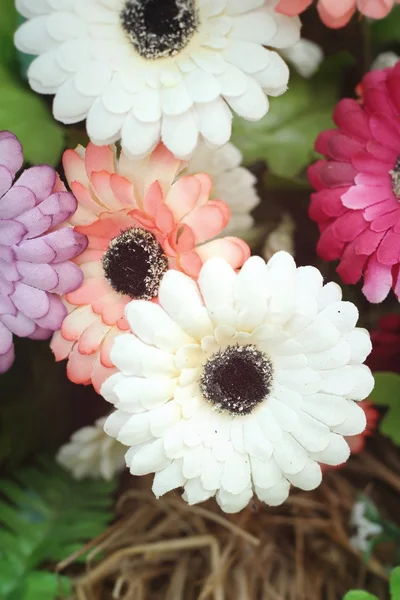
164	549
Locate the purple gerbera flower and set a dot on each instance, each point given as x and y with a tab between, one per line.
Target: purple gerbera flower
35	250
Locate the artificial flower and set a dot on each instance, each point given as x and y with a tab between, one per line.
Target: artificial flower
280	238
357	203
92	453
337	13
153	70
241	384
366	529
139	222
35	253
232	183
357	442
385	355
305	56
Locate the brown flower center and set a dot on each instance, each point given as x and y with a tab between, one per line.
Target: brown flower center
135	263
237	379
159	28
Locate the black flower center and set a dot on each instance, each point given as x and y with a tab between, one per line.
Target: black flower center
134	263
159	28
395	174
237	379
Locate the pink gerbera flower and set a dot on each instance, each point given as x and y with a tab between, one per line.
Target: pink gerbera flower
140	221
357	204
337	13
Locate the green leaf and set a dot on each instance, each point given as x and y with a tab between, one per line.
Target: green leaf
386	31
387	393
8	24
285	137
27	115
395	583
359	595
46	515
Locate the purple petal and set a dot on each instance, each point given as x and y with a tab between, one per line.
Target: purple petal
32	302
11	232
6	180
6	306
41	276
41	334
9	271
6	287
6	254
11	155
70	277
7	359
66	242
16	201
40	180
35	251
55	315
34	222
19	324
5	338
59	207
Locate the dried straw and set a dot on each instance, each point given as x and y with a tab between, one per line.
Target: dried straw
164	549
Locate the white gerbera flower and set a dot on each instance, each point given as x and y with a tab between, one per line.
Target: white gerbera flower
306	56
145	70
92	453
232	183
241	385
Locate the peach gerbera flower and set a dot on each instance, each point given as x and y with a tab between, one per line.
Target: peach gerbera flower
140	221
337	13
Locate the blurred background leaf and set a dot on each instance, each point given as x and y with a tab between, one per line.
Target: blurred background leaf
387	393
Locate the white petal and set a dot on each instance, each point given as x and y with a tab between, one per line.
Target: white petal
360	344
247	56
309	478
327	408
255	442
103	127
161	419
33	37
45	75
250	293
233	82
330	293
168	479
212	474
195	492
265	474
286	417
276	495
355	421
202	86
288	31
136	430
236	473
215	121
92	78
332	358
318	336
152	324
233	503
274	78
343	315
252	104
336	453
257	26
114	422
149	459
189	357
290	455
311	434
133	357
138	138
69	105
146	105
269	424
176	99
216	282
180	133
363	382
135	394
180	297
173	441
237	435
194	462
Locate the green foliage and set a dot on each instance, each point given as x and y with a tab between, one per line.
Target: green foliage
394	589
387	31
22	111
387	393
46	515
285	137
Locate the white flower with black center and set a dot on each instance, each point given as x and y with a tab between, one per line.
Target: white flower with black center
241	384
232	183
145	70
92	453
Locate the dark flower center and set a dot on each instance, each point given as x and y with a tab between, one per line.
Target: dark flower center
237	379
395	174
159	28
134	264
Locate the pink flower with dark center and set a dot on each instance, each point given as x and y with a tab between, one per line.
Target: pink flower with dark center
337	13
35	250
140	220
357	203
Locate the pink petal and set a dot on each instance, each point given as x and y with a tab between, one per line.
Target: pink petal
74	168
40	180
55	315
183	196
93	336
351	119
101	182
16	201
99	158
361	196
11	155
208	220
389	249
377	281
32	302
232	249
349	226
60	346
